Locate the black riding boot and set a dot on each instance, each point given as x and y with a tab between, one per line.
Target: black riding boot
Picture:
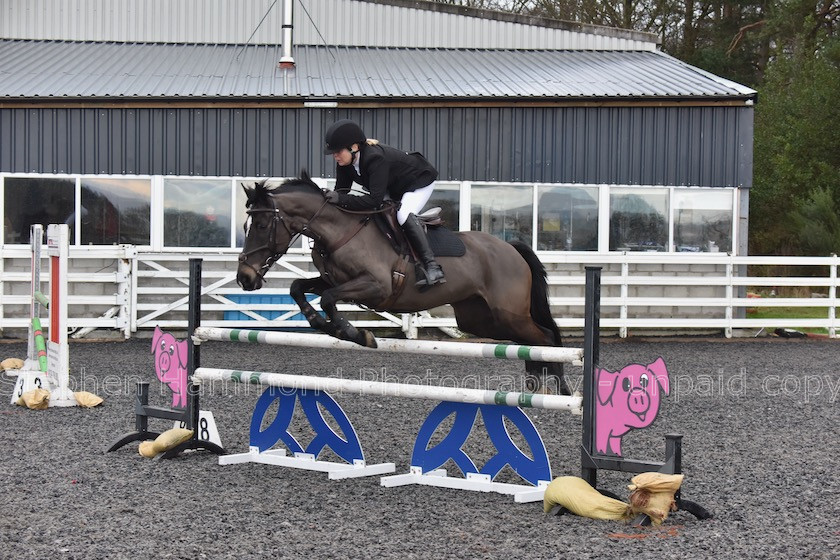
430	272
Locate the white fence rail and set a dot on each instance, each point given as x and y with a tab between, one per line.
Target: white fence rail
99	294
120	288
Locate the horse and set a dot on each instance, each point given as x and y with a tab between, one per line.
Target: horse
497	289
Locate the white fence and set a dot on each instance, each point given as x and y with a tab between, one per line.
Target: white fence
120	289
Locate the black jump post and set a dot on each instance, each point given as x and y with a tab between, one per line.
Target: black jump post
590	460
188	415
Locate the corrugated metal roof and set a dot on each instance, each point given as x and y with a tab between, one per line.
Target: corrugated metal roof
82	70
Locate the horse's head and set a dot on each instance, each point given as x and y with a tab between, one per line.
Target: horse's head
271	226
267	237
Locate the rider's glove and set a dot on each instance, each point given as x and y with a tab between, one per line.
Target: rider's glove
332	197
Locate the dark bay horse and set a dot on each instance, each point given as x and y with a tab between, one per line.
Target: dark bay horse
497	289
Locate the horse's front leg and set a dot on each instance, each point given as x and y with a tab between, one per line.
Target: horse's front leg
298	291
356	290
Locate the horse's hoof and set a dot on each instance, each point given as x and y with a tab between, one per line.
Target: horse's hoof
368	339
532	383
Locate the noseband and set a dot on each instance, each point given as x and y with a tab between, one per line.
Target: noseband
271	243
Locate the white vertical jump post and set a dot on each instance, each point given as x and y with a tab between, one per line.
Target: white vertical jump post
31	364
57	371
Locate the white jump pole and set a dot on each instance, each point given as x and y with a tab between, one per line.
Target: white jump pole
383	389
430	347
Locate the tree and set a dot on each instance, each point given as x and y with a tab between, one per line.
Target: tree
817	223
797	140
789	51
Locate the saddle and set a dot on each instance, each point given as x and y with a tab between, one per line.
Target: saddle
443	241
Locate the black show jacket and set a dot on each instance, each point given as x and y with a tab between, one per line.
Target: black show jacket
383	170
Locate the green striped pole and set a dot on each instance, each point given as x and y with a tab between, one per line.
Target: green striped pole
432	347
383	389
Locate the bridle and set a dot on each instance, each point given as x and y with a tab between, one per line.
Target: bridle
274	253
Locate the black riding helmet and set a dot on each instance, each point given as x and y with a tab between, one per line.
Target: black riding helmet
343	134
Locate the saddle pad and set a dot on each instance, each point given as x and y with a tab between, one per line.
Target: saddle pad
445	243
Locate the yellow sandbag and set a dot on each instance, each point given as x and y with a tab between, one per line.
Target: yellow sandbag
164	442
653	494
576	495
11	363
147	449
171	438
36	399
86	399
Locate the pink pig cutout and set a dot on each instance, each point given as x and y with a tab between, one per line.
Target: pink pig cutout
627	399
171	365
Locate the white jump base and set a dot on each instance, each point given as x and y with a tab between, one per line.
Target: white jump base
475	482
307	461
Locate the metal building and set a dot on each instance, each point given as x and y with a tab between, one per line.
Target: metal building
575	138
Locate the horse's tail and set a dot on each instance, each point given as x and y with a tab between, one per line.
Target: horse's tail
540	310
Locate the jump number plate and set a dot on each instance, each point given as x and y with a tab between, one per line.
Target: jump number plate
206	427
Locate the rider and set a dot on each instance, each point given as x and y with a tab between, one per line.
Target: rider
386	173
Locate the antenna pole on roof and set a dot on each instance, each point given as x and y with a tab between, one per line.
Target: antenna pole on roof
286	60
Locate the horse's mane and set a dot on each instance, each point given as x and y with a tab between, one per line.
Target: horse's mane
260	193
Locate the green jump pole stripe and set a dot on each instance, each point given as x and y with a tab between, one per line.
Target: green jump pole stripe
526	400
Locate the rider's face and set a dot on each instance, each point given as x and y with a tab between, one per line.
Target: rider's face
343	158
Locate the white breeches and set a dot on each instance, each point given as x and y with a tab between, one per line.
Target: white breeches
413	202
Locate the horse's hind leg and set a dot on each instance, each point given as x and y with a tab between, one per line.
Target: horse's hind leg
476	317
540	372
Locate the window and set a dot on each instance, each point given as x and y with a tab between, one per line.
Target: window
505	211
36	200
567	218
448	197
638	219
196	213
239	211
703	220
115	211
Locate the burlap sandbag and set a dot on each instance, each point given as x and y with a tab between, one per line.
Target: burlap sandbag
11	363
147	449
576	495
164	442
653	494
87	400
36	399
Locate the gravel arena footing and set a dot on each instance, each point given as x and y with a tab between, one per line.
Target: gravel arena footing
760	420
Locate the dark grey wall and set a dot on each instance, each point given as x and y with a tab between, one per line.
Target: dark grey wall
708	146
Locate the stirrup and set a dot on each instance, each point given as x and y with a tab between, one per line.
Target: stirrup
423	283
